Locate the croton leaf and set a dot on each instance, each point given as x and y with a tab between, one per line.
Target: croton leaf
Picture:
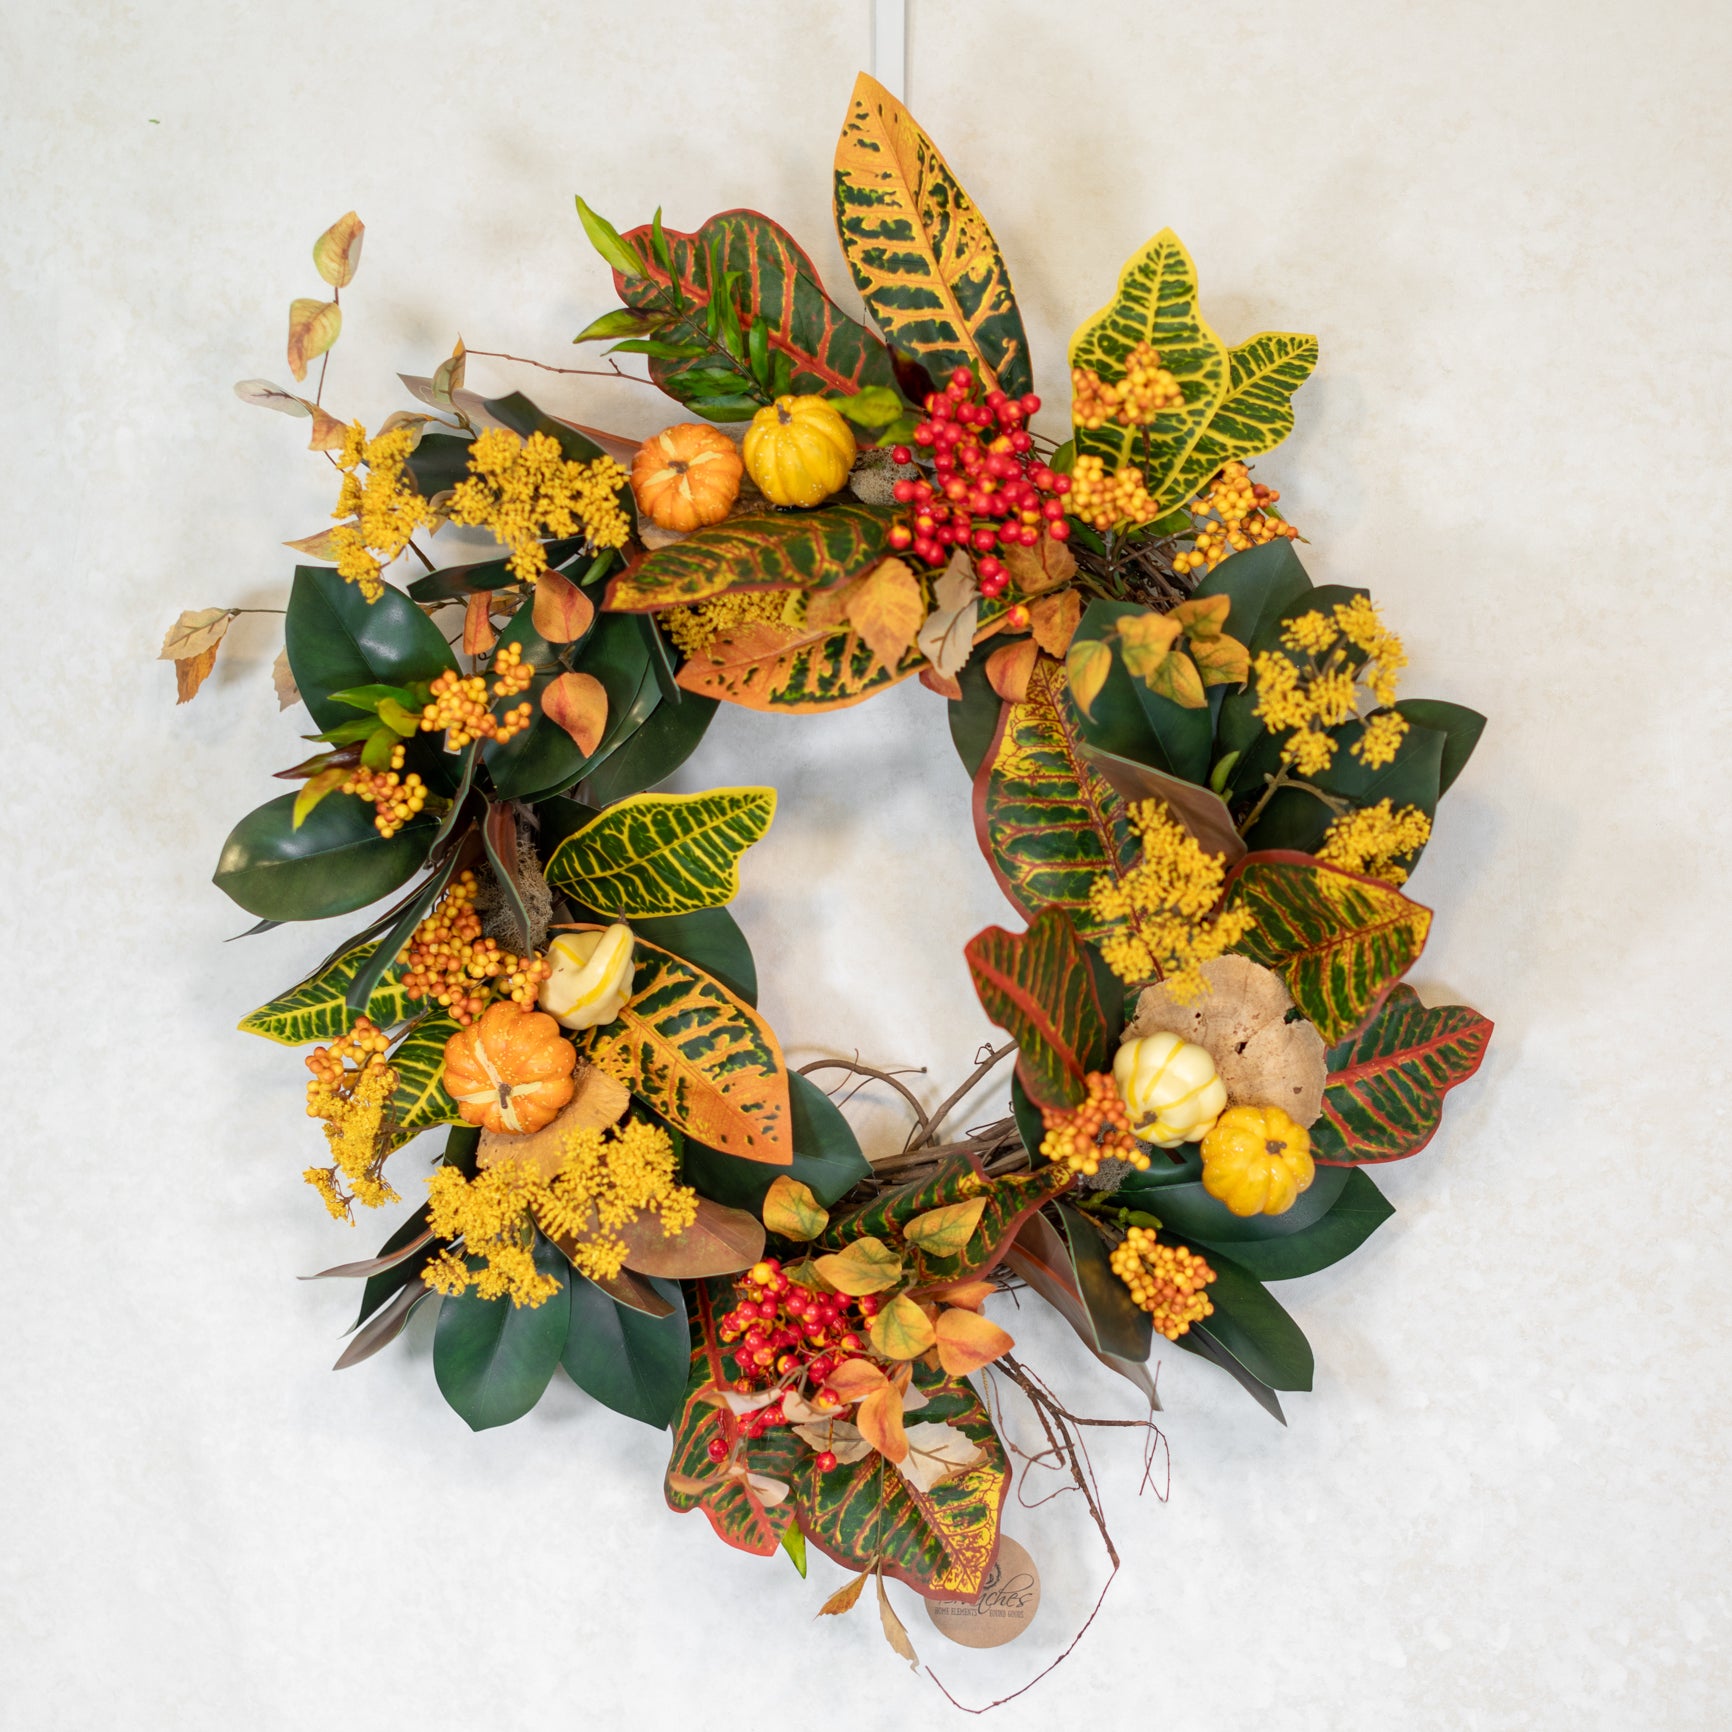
1009	1200
704	1059
1384	1097
663	854
793	670
652	754
776	286
1048	822
940	1542
1339	940
757	550
1037	986
920	252
419	1061
827	1158
315	1010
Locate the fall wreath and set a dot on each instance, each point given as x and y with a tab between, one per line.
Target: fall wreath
1194	778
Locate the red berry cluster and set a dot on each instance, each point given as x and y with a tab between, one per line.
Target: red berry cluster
784	1336
989	489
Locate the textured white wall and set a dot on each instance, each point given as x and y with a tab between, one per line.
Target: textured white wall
1505	1505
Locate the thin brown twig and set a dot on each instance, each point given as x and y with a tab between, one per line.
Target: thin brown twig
867	1070
613	370
943	1110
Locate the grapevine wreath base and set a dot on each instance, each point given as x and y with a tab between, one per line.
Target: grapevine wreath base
1193	778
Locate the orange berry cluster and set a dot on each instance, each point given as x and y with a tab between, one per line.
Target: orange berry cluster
362	1046
448	961
1098	1128
396	799
1167	1281
1106	500
1241	521
785	1336
1146	389
460	706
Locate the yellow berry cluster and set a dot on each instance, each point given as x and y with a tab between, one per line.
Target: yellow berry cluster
1167	1281
460	705
448	961
1146	389
351	1088
1098	1128
1105	500
335	1067
1239	507
511	674
396	799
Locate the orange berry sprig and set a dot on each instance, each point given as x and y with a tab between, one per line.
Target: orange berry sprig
1167	1281
448	962
1146	389
460	706
396	799
336	1067
1098	1128
783	1336
1239	507
989	488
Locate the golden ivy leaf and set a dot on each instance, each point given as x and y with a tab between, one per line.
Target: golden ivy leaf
1222	661
1148	639
866	1266
1086	667
791	1210
902	1330
313	327
944	1232
1175	676
337	252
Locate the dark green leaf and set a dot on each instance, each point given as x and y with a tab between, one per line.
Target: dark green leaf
337	641
1358	1211
1460	726
667	738
661	660
1188	1211
1250	1324
974	717
336	862
524	417
1121	1327
629	1361
440	461
390	947
454	582
492	1359
1198	1340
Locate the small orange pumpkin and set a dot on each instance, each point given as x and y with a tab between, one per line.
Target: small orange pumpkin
686	476
511	1071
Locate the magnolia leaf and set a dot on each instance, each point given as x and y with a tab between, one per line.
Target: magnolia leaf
1241	1021
578	704
1204	814
1054	619
855	1379
313	327
791	1210
337	252
1035	570
894	1632
1086	667
720	1241
866	1266
944	1232
1009	667
967	1341
197	630
947	637
845	1598
887	609
563	613
844	1440
936	1452
879	1417
598	1101
262	394
902	1330
283	678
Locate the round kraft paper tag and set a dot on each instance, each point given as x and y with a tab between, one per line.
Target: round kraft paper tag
1006	1606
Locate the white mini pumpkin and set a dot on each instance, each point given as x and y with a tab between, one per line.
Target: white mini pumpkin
1171	1088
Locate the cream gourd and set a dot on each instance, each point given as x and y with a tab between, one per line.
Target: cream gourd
590	976
1171	1088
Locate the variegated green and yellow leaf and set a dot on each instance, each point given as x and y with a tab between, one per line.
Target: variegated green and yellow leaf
1048	822
1036	985
314	1010
920	252
1340	941
660	854
1255	415
419	1061
793	670
757	550
1384	1098
704	1059
1156	303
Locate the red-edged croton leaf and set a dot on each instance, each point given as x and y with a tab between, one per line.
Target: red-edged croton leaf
777	283
940	1542
1339	940
1384	1098
1009	1200
741	1505
1048	822
757	550
1036	985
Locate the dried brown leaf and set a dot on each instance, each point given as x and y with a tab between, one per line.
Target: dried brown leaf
971	1295
328	432
887	609
578	703
1241	1022
634	1293
845	1598
1034	570
337	252
319	546
894	1632
283	678
947	637
854	1379
1054	619
313	327
827	609
198	629
967	1341
721	1241
478	633
262	394
1203	813
191	672
936	1452
842	1438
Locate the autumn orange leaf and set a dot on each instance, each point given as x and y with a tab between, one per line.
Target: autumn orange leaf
971	1295
887	609
563	613
845	1598
313	327
1054	619
1034	570
879	1417
577	703
1008	669
478	633
191	672
855	1379
967	1341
